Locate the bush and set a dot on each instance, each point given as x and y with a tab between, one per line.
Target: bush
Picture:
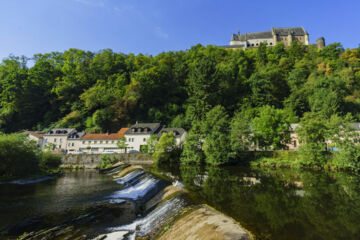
18	156
49	162
107	161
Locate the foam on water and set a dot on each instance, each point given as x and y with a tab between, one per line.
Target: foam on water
130	177
153	220
137	191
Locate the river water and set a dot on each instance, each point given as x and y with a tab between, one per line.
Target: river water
272	204
278	204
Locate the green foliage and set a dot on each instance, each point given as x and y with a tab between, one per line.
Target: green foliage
271	128
166	149
107	161
104	91
151	143
122	144
49	161
20	157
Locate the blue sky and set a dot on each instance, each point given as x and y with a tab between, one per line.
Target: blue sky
154	26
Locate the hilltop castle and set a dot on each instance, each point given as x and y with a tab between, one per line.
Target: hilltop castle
277	34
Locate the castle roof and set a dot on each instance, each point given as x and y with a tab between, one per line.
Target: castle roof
285	31
249	36
281	31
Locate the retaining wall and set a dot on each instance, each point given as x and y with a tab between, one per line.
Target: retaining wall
94	160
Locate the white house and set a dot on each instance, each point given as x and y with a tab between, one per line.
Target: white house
98	143
36	136
74	141
179	133
58	137
138	134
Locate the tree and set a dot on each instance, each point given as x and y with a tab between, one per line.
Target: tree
271	128
165	149
193	151
216	145
151	143
122	144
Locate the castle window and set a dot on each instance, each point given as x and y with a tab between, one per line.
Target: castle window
252	44
271	43
257	44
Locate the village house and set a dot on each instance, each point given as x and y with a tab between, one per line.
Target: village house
102	142
57	138
74	141
138	134
36	136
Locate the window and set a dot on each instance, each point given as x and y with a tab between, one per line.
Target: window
257	44
144	139
83	142
100	142
72	144
106	142
252	45
69	144
271	43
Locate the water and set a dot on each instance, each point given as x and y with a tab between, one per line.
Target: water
72	190
272	204
278	204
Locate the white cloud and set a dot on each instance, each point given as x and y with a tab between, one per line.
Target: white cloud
160	33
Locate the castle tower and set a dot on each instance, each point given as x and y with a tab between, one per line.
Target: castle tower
320	43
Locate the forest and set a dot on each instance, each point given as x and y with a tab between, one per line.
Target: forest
219	95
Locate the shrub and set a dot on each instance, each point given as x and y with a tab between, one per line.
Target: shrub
49	162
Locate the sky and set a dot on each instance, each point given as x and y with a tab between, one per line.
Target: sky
28	27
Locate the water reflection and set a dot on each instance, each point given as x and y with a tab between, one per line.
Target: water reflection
73	190
278	204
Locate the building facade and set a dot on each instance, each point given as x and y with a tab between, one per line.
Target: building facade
74	141
138	134
277	34
36	136
103	142
57	138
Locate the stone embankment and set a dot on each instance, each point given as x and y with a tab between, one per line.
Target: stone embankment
94	160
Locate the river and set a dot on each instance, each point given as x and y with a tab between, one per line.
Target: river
272	204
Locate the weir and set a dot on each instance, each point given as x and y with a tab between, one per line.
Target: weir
142	207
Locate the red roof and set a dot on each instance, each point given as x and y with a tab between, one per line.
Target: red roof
105	136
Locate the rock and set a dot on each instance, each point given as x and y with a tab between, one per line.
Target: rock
205	223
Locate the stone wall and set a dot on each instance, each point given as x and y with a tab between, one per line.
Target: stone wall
94	160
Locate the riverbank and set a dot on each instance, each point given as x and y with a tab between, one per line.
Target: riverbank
93	161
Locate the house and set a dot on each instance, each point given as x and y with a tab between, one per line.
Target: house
74	141
98	143
138	134
36	136
179	133
57	137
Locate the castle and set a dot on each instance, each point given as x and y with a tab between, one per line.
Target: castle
277	34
